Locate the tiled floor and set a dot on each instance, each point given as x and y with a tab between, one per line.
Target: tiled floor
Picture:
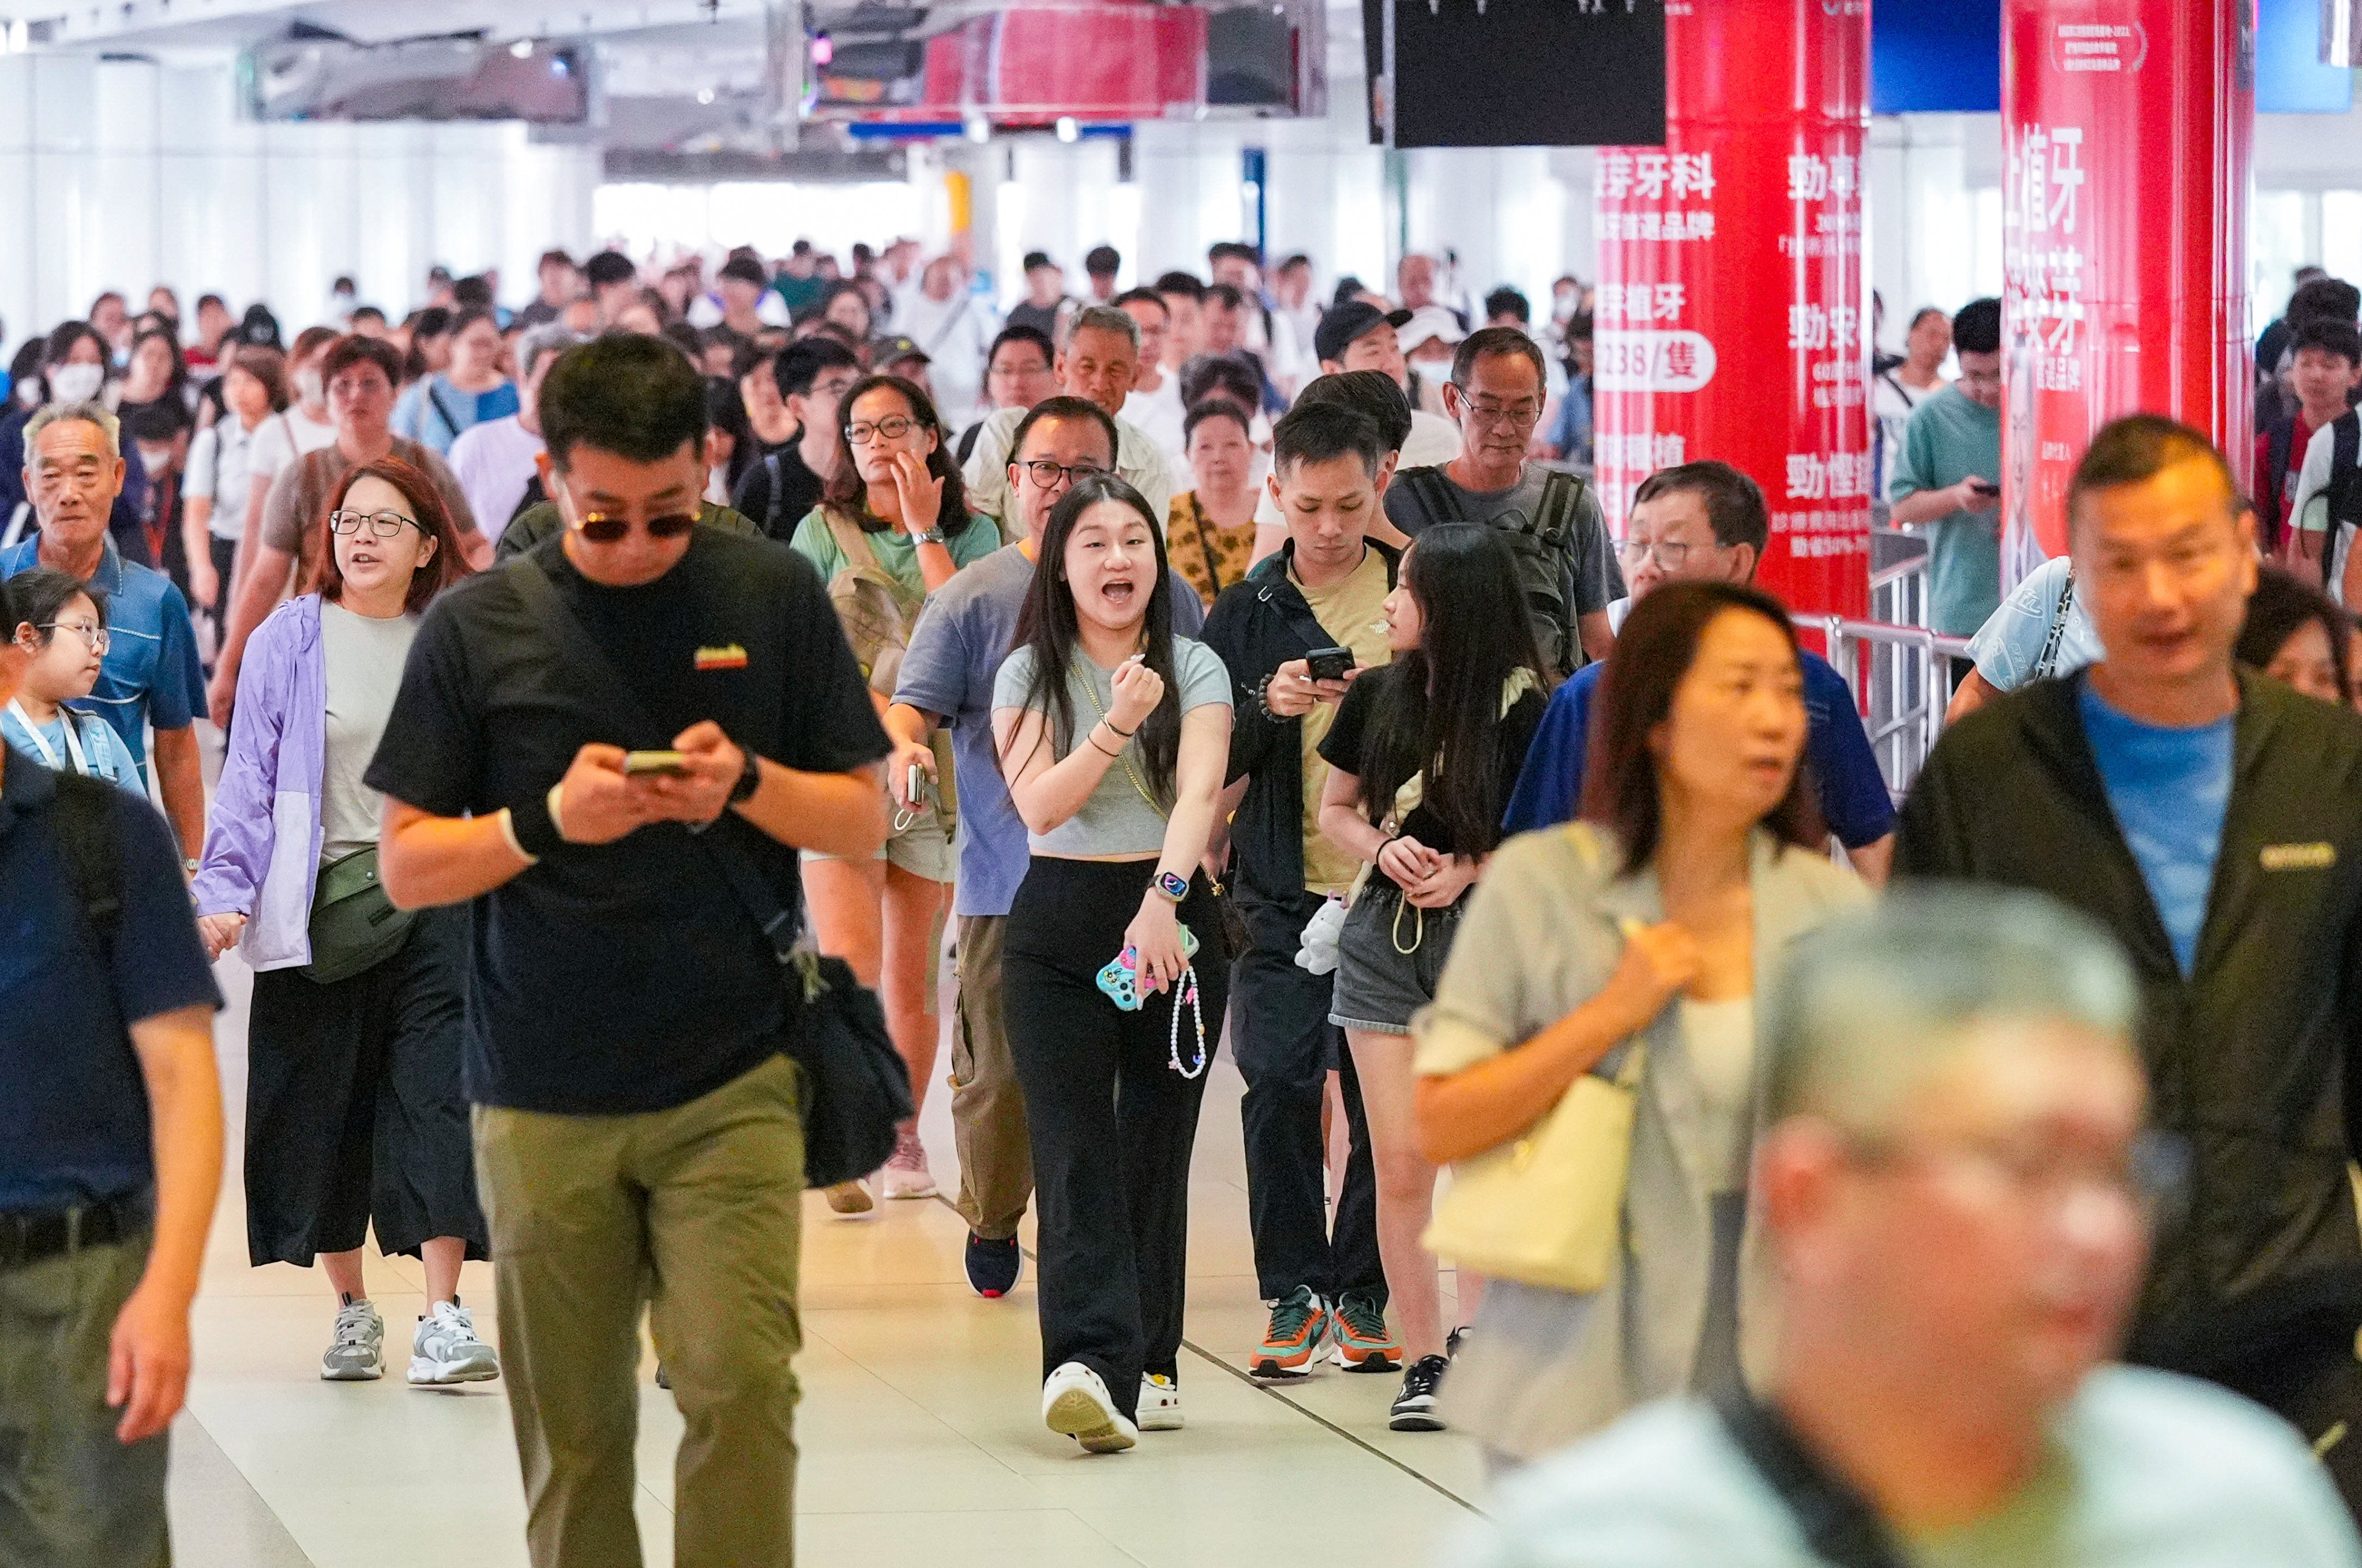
921	1440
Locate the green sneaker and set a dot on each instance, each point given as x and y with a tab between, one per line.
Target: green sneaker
1301	1323
1358	1329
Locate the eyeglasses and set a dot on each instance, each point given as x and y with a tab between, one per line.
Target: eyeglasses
601	529
91	633
1048	475
1670	558
892	428
2152	1173
1526	411
381	524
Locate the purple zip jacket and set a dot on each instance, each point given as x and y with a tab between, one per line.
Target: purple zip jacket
267	805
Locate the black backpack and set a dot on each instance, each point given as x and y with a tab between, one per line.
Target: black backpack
2345	491
85	826
1539	544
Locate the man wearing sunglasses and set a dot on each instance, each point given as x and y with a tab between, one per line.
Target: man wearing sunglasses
638	1140
946	678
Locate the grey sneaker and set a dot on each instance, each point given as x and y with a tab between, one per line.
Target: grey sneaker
357	1353
445	1348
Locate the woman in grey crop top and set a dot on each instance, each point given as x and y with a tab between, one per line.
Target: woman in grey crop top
1113	735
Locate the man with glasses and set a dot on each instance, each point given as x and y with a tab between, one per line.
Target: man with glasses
1953	1196
1099	361
2212	820
1551	518
946	678
150	673
360	375
1707	523
812	376
1017	375
1946	481
638	1140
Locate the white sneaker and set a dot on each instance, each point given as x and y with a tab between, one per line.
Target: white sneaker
357	1349
1160	1404
446	1350
1074	1401
906	1173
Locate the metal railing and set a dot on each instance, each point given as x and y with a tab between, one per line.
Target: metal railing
1900	671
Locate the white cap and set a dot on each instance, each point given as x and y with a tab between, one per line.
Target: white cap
1431	321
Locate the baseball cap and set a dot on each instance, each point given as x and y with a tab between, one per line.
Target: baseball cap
1339	326
893	350
1431	321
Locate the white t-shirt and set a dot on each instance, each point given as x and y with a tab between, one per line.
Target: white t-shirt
1159	415
221	469
493	463
283	439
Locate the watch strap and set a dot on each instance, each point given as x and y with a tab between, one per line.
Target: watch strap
750	778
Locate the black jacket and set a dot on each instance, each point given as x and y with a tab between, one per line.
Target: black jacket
2252	1058
1257	625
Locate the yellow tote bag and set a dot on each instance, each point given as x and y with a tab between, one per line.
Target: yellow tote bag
1547	1209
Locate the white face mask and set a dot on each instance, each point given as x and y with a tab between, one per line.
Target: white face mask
76	384
308	388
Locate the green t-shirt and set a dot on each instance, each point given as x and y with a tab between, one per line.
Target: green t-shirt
2147	1469
895	551
1950	436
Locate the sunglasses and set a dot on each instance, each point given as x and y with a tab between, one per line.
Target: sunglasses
601	529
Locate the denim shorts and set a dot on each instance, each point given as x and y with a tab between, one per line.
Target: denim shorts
1379	985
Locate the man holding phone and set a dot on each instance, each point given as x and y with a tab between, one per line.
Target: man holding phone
1294	634
1944	482
637	1123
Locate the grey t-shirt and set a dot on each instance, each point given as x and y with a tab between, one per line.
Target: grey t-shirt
1590	581
363	658
2147	1469
1118	818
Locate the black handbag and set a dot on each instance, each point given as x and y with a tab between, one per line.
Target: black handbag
857	1087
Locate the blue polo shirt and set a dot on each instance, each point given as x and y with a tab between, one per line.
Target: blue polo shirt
73	1108
152	673
1853	793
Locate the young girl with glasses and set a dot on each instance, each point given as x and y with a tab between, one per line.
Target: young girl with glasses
61	624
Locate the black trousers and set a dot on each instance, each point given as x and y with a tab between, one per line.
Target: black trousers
2312	1379
1110	1123
353	1109
1286	1046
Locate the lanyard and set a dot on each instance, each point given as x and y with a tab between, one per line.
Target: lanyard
41	747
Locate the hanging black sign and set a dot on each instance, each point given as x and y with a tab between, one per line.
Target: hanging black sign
1516	72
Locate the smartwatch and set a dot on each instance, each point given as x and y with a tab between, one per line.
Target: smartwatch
1171	885
750	778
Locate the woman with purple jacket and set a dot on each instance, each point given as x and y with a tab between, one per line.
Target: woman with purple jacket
353	1107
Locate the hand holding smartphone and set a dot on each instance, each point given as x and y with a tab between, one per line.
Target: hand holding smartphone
663	764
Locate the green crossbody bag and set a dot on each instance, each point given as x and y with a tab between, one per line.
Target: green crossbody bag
354	925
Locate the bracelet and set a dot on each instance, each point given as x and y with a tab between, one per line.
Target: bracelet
1125	734
535	827
1263	699
1100	749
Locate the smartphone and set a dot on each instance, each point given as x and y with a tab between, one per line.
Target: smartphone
1329	664
666	762
919	789
1982	489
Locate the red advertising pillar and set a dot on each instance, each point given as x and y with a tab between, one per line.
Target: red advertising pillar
2127	127
1732	318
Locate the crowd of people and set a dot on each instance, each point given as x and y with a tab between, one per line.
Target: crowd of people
1222	670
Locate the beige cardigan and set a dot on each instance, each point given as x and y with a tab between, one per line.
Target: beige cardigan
1541	935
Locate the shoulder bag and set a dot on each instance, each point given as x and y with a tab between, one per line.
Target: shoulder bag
354	927
1546	1208
856	1087
1839	1525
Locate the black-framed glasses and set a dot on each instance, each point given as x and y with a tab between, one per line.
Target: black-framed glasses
893	428
1670	556
91	633
601	528
1046	474
381	524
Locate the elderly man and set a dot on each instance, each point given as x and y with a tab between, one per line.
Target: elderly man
494	461
73	468
1099	361
954	329
1953	1191
2212	819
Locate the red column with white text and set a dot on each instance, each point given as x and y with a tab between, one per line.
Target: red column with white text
1732	317
2127	127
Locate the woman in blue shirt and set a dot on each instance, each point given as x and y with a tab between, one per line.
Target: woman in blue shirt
62	625
439	405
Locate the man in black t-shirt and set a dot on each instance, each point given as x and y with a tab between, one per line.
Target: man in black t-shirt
637	1126
777	492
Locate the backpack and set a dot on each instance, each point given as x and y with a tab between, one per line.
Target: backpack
877	614
85	827
2280	445
1539	546
2345	491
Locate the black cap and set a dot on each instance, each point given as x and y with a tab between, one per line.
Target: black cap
259	329
1038	259
1347	322
893	350
746	269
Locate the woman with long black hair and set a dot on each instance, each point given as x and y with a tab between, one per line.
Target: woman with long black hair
1113	735
1423	755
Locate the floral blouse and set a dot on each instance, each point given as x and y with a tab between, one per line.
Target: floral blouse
1211	557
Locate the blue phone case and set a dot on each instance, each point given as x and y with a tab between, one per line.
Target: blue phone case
1121	978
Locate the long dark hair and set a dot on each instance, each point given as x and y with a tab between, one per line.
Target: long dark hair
848	492
1439	708
2278	609
1047	626
1657	644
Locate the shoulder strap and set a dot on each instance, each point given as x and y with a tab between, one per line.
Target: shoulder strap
86	830
967	442
1205	542
435	396
2345	468
2046	665
1838	1524
1434	497
1562	492
771	504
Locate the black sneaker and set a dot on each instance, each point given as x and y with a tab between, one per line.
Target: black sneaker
1414	1407
1452	1343
993	1266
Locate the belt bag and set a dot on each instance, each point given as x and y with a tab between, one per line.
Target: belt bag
355	927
